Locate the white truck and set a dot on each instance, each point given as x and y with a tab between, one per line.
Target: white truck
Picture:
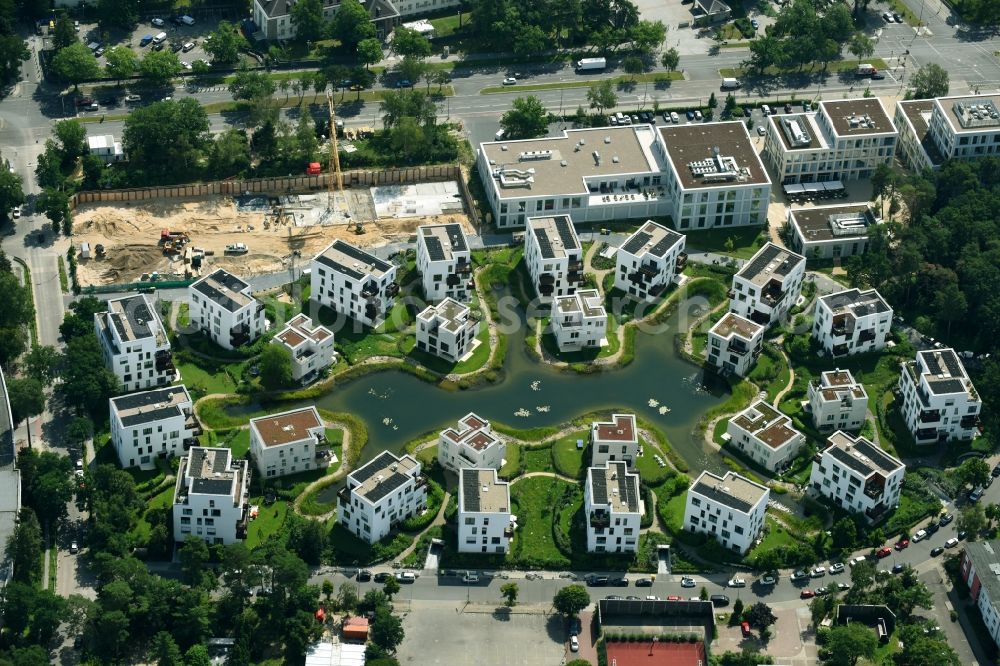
864	69
731	84
591	64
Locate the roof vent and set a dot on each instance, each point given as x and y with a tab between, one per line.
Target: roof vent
562	163
486	489
379	478
615	159
607	139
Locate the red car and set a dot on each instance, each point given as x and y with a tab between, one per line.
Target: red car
900	545
806	594
883	552
673	597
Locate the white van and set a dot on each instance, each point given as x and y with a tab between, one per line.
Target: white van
731	84
160	38
765	109
499	135
187	20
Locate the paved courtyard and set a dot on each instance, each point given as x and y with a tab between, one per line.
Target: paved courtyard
792	639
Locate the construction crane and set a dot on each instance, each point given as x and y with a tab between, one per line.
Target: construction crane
336	183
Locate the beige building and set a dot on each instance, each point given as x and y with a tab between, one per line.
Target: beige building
288	442
766	436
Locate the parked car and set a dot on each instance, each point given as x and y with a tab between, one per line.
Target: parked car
381	577
698	116
99	52
818	572
470	578
614	597
920	536
768	580
996	472
509	81
619	581
674	118
736	581
788	107
754	23
406	577
761	130
690	115
843	586
962	534
946	519
574	626
719	600
806	594
897	17
887	17
883	552
574	644
612	120
187	47
16	212
975	495
674	597
936	551
799	576
951	543
146	39
837	568
176	48
687	581
644	582
74	547
364	576
158	22
597	581
932	528
902	544
85	101
877	76
131	98
898	568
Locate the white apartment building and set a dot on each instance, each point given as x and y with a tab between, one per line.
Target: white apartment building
311	347
211	496
152	424
939	401
960	127
134	344
221	306
843	140
105	147
838	402
554	257
471	444
409	8
381	494
444	262
980	569
766	436
579	321
857	476
354	283
768	285
831	232
448	330
274	19
485	524
852	322
613	506
288	442
734	344
647	261
729	508
614	440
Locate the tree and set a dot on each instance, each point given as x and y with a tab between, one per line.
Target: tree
846	644
712	101
737	615
386	629
760	616
992	512
633	66
166	651
526	119
87	384
122	62
249	85
571	599
13	51
25	547
226	43
230	154
41	363
347	598
166	140
11	193
670	59
765	51
64	34
79	321
17	311
920	649
75	64
390	587
369	52
972	519
27	398
306	538
509	592
307	17
275	365
409	43
530	40
647	36
118	13
844	534
327	589
973	472
703	594
54	204
160	67
861	46
602	96
351	24
194	557
951	306
931	80
197	655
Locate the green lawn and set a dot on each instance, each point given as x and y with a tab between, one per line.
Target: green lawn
566	457
584	355
200	379
777	535
536	500
675	512
429	455
512	463
359	346
480	355
268	522
447	25
537	458
745	241
647	466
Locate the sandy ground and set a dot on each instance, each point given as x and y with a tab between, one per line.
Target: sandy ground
130	234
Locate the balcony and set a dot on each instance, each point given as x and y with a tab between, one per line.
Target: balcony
344	496
682	260
970	421
372	311
867	335
243	522
575	265
164	361
453	280
929	416
925	435
649	270
546	279
876	511
840	350
657	289
761	318
772	293
600	519
239	335
546	289
370	291
739	349
508	531
391	289
191	423
260	308
463	267
574	277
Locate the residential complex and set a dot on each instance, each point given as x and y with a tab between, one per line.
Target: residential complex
470	444
734	343
728	508
857	476
135	344
580	321
211	496
613	509
444	262
837	402
766	436
152	424
939	401
554	257
647	261
354	283
381	494
701	176
917	149
768	285
311	347
220	305
831	232
447	329
961	127
273	18
288	442
980	570
852	322
614	440
843	140
485	524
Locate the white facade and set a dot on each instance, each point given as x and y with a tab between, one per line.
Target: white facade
939	401
134	344
614	440
221	306
485	524
273	17
647	261
472	444
956	128
831	232
766	436
844	140
152	424
447	329
857	476
354	283
728	508
580	321
734	344
106	147
980	569
286	443
311	347
613	505
916	147
852	322
838	402
444	262
768	285
553	256
211	497
418	7
381	494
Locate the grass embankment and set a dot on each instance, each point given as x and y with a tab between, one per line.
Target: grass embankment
835	67
622	81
